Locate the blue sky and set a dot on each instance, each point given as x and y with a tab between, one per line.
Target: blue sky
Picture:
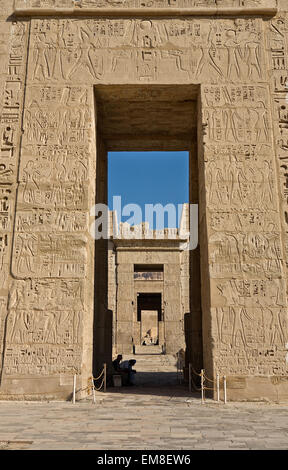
148	178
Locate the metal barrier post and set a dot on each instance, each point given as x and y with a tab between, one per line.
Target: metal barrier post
105	376
202	386
218	386
93	391
74	390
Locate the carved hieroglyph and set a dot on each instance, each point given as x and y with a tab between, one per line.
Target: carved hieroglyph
122	51
249	313
22	5
237	61
44	327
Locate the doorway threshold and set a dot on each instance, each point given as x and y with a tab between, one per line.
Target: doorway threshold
149	350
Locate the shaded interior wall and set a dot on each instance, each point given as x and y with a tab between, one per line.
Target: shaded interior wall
112	288
193	318
203	302
103	316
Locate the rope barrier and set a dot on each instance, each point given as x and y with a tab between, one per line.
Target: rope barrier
98	389
92	386
191	381
97	378
204	386
209	380
103	383
197	389
194	372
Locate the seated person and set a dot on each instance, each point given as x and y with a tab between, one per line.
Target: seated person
119	370
116	362
127	367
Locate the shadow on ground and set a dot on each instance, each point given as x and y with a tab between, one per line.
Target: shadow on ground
157	384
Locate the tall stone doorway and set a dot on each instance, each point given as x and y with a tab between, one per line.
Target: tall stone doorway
146	118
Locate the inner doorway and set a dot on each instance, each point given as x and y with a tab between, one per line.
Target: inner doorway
149	314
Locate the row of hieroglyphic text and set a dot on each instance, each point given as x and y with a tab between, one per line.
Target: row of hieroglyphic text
119	50
249	314
142	3
278	50
52	206
10	132
11	105
44	327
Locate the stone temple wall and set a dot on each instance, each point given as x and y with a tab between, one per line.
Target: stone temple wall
53	54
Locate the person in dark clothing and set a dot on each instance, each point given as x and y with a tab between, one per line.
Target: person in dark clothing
120	370
116	363
127	367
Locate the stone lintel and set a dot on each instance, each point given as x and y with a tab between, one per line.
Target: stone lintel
158	248
147	12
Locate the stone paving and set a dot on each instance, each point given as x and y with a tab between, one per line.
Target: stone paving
143	418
